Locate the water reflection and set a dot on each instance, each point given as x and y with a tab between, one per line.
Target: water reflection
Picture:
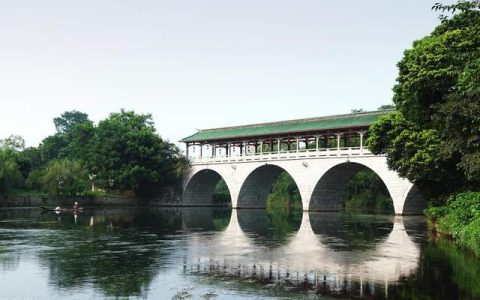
268	228
150	253
349	232
117	251
381	254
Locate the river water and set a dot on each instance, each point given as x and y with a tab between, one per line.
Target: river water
205	253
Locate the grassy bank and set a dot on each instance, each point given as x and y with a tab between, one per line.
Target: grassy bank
459	219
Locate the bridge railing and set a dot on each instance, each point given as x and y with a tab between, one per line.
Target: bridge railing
285	154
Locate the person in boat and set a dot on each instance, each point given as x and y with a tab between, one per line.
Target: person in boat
76	206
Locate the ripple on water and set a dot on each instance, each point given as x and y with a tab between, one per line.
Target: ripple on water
123	255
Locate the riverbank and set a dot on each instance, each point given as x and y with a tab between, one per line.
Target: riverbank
459	220
41	200
24	199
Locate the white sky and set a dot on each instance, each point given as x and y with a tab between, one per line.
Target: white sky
199	63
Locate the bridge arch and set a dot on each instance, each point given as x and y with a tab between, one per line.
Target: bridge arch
258	184
328	192
200	188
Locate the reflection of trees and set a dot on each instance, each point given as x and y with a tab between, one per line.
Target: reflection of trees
221	218
119	251
205	218
344	231
110	255
464	269
8	260
446	272
269	228
283	223
283	214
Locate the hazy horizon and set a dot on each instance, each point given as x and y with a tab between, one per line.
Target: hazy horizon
200	64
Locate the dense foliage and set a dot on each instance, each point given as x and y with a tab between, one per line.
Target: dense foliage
284	196
221	194
284	206
65	177
130	156
366	191
10	176
123	154
460	218
433	138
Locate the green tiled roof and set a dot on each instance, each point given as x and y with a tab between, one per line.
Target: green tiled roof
286	127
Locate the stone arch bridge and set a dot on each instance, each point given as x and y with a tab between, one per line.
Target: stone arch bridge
320	154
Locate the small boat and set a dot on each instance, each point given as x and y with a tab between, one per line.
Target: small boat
59	210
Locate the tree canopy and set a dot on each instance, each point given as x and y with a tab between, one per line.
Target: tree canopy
70	119
130	154
123	154
433	136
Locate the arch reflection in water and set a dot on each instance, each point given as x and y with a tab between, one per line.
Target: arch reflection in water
310	256
268	228
136	252
350	231
166	220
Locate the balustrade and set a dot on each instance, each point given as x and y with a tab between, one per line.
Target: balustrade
285	154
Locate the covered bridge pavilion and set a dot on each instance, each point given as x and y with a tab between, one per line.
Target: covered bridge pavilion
320	154
322	136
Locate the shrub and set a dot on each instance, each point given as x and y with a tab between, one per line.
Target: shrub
460	218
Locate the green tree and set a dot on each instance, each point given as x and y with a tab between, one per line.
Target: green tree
14	142
72	140
221	193
284	195
28	160
65	177
79	141
69	119
284	206
10	175
130	156
433	137
366	191
51	147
